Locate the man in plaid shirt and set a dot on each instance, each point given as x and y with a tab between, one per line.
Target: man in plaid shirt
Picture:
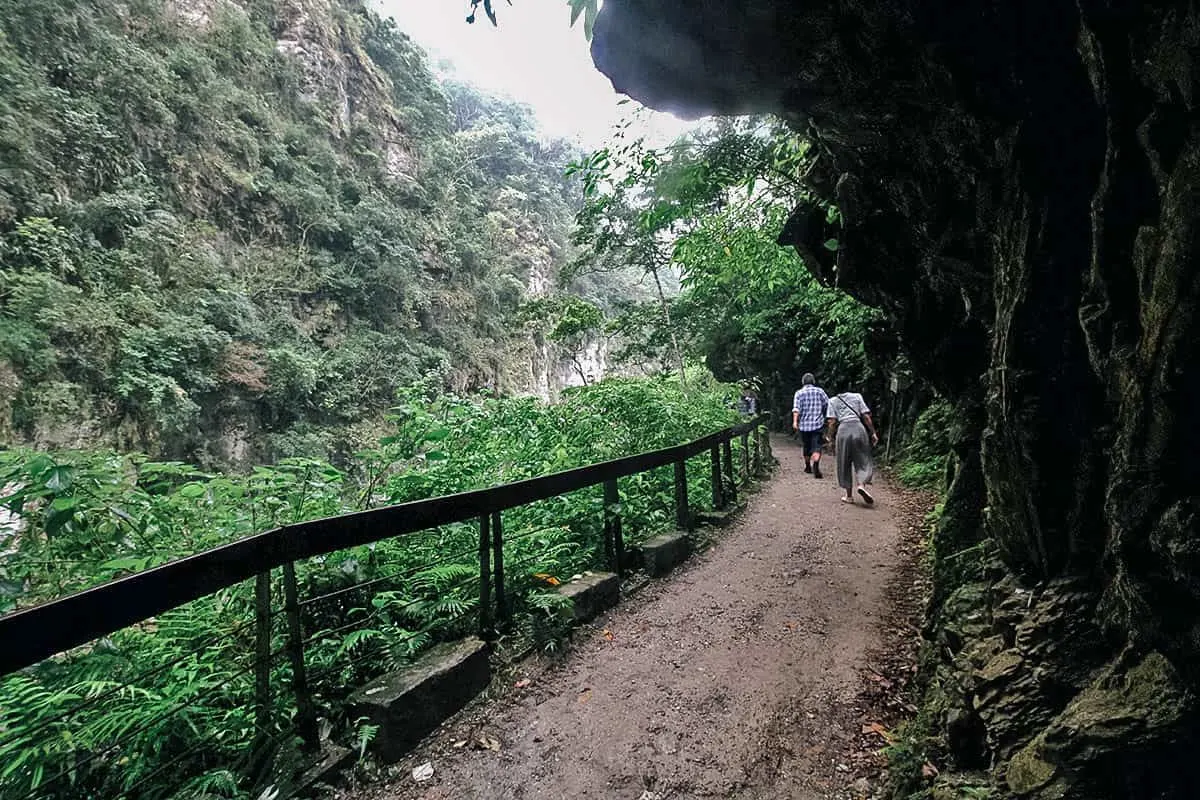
808	419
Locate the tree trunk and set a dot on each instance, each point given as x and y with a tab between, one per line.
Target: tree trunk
666	312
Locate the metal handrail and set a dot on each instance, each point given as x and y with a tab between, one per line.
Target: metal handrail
39	632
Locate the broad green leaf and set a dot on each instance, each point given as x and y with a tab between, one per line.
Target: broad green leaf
59	479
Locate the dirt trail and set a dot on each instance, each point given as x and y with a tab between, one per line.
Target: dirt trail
740	675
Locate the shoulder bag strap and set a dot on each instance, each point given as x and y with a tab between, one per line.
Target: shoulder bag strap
842	400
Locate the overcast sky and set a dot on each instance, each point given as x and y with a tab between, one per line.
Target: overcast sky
534	57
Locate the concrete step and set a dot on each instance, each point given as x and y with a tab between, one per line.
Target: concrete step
664	552
592	594
409	703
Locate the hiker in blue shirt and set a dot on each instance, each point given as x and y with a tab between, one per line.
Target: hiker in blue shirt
808	420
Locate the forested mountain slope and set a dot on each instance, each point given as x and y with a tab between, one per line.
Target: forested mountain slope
229	230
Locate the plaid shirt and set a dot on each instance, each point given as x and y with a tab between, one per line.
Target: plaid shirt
810	401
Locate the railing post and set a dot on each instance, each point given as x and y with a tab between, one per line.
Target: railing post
760	448
498	568
745	458
769	458
757	451
612	525
610	548
683	516
306	715
727	453
485	579
718	497
262	655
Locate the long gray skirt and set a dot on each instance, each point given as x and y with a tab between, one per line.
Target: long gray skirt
853	455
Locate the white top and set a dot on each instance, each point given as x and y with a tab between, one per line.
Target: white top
846	407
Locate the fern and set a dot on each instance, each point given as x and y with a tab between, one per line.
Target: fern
364	734
356	638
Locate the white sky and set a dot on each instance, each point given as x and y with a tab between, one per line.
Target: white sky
533	57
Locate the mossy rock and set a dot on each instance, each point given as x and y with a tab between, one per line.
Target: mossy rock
964	786
1127	717
1028	771
1135	708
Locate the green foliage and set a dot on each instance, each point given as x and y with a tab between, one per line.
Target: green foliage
923	462
710	208
907	754
587	8
549	622
753	306
164	707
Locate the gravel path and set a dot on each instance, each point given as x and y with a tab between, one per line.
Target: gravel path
740	675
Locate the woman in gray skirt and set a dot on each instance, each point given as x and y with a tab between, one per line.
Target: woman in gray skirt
855	438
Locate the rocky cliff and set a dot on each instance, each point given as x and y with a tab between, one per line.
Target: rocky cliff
230	229
1018	185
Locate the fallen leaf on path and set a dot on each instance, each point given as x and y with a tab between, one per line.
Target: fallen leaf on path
882	681
585	695
423	772
522	683
875	727
608	634
460	743
485	742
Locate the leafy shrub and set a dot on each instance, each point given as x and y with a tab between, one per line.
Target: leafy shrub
923	462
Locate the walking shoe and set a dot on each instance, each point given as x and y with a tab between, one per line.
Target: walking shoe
807	468
816	470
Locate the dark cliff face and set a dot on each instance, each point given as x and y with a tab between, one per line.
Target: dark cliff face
1019	184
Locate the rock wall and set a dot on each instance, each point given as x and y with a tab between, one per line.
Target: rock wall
1018	185
551	370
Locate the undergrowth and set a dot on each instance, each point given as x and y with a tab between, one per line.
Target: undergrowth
918	746
166	708
922	463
